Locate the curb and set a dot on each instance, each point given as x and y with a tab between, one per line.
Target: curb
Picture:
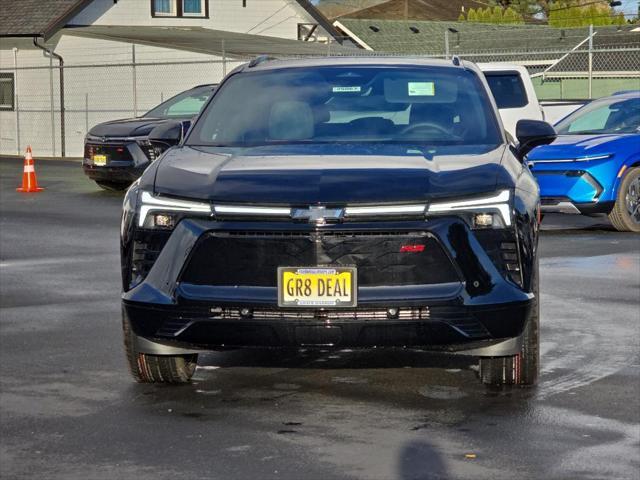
38	158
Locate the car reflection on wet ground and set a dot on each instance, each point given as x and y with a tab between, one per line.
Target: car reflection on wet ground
69	410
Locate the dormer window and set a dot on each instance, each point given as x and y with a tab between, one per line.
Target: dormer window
180	8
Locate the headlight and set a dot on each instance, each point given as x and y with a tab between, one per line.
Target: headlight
163	212
484	212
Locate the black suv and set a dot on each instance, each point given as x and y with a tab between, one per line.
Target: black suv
117	152
338	202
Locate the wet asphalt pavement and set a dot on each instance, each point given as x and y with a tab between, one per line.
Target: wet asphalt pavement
69	410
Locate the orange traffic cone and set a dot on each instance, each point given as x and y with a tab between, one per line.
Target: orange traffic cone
29	182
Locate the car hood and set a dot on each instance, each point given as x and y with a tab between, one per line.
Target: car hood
581	146
129	127
339	174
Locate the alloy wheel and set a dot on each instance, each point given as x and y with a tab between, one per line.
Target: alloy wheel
632	200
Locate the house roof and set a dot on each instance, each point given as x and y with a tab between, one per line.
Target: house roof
43	18
208	41
319	17
36	18
428	37
416	10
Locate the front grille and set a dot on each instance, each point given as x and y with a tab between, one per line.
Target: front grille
252	258
329	315
113	152
371	322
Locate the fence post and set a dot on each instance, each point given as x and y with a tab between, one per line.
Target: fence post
224	61
52	107
86	113
16	102
446	44
133	74
590	62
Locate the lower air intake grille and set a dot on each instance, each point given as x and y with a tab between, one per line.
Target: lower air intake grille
331	315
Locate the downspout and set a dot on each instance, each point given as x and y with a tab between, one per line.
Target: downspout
61	69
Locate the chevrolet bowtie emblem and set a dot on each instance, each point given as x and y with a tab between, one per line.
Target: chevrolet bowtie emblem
318	214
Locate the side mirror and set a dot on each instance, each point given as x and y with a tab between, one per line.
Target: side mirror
169	133
532	134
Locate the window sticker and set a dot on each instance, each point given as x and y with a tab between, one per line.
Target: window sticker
421	89
356	89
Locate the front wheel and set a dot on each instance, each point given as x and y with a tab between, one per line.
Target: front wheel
521	369
625	216
147	368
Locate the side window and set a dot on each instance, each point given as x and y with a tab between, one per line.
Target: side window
507	88
7	86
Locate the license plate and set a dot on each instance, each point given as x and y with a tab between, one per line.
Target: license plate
99	160
317	287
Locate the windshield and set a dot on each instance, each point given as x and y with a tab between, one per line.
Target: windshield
428	105
612	115
185	104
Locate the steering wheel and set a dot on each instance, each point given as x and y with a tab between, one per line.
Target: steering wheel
433	126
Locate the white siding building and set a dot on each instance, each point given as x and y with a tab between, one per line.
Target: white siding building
125	74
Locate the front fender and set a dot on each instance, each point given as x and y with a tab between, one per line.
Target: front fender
127	225
629	163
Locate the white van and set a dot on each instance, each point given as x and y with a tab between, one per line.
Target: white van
514	93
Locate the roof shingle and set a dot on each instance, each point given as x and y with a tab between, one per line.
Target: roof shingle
36	18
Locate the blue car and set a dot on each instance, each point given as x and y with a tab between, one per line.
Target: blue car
594	164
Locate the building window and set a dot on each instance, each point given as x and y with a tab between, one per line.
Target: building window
180	8
307	32
164	8
7	86
193	8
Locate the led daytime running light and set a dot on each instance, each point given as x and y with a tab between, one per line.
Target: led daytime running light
498	202
151	204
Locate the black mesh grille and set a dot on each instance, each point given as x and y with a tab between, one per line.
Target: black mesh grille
252	258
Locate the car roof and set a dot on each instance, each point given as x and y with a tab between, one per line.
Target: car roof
262	64
500	67
211	85
622	95
627	93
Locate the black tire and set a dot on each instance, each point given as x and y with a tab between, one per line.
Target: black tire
521	369
112	186
625	216
147	368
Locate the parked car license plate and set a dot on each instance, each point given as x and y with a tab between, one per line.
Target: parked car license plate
317	286
99	160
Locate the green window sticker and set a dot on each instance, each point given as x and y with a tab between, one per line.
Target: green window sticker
421	89
347	89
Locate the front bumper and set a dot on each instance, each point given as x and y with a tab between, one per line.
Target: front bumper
578	187
481	310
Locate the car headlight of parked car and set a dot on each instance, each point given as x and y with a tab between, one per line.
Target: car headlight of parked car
166	212
492	211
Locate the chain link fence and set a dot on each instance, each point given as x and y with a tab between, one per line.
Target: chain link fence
93	93
97	92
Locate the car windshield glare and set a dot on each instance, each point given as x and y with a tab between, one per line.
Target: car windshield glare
349	104
612	115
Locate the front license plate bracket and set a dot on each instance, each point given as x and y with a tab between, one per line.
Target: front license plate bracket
317	287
